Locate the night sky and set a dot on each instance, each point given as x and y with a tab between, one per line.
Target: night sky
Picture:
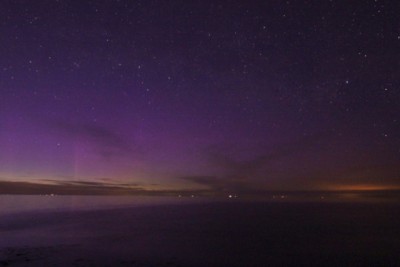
199	96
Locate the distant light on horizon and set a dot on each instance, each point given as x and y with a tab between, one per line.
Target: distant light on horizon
364	187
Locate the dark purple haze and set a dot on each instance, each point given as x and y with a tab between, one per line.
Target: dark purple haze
221	96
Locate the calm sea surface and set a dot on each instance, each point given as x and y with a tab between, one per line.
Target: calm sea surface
194	232
11	204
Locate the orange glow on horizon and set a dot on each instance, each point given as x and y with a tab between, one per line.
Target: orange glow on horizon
364	187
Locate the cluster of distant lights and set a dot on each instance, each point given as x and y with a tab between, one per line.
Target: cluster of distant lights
193	196
228	196
286	196
234	196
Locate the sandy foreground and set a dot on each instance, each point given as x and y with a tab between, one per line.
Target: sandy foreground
208	234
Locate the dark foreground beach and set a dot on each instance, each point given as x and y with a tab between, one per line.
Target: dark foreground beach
206	234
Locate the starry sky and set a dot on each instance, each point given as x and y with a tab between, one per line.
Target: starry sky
199	96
